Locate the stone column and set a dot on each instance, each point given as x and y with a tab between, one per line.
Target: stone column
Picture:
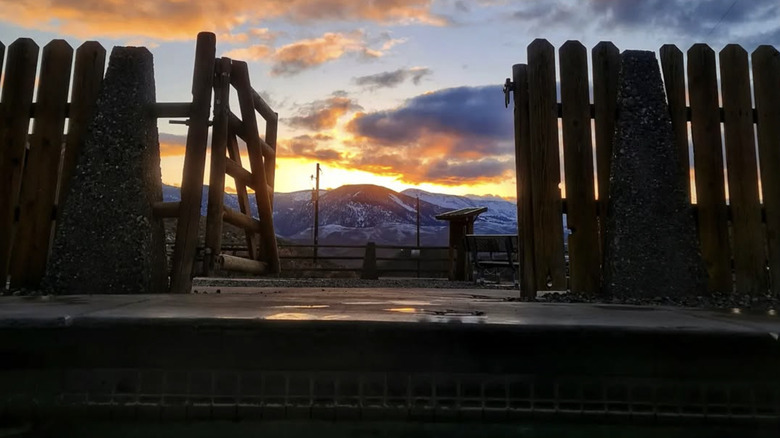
651	244
107	240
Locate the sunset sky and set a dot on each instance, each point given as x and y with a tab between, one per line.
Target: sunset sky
401	93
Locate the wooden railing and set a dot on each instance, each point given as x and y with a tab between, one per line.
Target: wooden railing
369	261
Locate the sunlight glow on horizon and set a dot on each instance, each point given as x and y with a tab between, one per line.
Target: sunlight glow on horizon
295	174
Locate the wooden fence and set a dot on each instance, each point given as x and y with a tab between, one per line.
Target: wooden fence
36	167
737	245
368	261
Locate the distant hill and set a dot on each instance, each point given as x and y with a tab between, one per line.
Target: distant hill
356	214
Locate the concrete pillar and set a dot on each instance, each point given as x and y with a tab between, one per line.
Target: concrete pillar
651	244
107	240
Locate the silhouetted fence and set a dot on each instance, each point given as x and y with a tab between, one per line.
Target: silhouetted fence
218	76
736	244
36	167
368	261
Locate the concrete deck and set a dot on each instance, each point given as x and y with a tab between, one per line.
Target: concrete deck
248	306
385	355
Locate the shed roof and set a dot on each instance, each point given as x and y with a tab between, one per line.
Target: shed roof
463	213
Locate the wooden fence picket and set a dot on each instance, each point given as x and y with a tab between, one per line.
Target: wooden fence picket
747	229
525	219
766	81
39	182
87	80
578	165
673	68
708	164
15	109
546	177
606	68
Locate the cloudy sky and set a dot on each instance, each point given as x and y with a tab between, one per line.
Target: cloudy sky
402	93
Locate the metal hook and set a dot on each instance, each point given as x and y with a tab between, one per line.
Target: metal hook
508	87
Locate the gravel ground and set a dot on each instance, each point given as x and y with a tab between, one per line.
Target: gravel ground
721	301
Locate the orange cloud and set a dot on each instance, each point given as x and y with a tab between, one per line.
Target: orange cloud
300	55
153	19
324	114
258	51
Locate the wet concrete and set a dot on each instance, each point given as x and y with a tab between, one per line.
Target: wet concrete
252	305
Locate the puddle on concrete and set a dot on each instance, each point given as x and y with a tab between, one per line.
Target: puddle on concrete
410	303
292	316
403	310
447	312
303	306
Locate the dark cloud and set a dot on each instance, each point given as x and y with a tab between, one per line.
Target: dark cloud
695	20
391	79
465	171
473	117
324	114
451	137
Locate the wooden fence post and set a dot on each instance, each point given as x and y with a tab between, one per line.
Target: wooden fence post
369	271
525	222
674	82
708	162
746	226
39	182
194	165
18	86
766	71
606	67
546	171
584	262
271	129
219	140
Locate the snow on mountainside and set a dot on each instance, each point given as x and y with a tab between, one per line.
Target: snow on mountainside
501	217
356	214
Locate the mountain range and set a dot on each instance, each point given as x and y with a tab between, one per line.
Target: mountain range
356	214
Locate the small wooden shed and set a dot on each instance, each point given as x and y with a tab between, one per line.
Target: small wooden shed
461	223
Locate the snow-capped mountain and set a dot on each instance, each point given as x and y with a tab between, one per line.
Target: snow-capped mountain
356	214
